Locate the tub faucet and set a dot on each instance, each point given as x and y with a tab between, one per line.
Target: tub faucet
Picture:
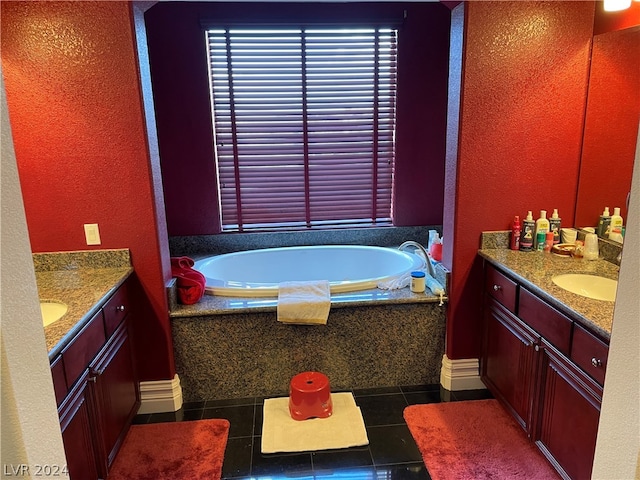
423	251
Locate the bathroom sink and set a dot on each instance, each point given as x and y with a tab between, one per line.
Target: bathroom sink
52	311
590	286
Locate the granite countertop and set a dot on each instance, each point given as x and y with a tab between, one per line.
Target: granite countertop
83	291
535	270
217	305
81	280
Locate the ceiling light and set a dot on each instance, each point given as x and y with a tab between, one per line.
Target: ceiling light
616	5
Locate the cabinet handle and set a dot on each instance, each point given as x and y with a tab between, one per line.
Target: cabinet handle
120	308
497	287
596	362
93	379
96	373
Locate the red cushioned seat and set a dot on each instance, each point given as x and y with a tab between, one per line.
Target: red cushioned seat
310	396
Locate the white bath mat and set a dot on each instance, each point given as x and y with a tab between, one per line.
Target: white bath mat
343	429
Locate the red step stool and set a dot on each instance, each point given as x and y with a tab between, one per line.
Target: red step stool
310	396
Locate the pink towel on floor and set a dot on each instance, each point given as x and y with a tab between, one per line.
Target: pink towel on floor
190	282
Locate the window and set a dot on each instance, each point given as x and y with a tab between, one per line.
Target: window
304	122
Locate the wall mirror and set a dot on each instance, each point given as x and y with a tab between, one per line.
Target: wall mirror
611	126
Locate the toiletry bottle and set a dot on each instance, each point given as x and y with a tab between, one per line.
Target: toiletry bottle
515	233
554	226
548	242
540	236
616	221
527	233
603	223
542	226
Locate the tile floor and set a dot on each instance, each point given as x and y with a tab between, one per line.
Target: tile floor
391	454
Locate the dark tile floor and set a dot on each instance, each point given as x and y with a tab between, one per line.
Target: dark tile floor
391	454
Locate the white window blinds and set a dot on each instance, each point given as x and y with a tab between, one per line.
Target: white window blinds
304	123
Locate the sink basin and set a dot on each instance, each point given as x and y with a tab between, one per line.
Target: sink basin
52	311
590	286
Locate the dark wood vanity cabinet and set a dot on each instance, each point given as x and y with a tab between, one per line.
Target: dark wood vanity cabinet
546	370
103	396
508	361
568	411
116	393
77	422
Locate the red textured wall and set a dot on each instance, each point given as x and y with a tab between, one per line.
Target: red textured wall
523	95
179	72
78	127
611	125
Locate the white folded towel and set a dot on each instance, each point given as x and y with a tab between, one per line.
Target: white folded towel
304	303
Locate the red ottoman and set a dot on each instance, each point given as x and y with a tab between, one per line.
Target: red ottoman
310	396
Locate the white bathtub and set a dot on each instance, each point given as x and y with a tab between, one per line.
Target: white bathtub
348	268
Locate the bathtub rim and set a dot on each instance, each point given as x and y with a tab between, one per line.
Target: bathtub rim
244	290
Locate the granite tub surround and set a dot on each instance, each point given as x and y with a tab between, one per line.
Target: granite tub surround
228	347
249	353
202	245
215	305
535	270
219	305
81	280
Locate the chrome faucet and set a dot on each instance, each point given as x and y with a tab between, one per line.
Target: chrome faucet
423	251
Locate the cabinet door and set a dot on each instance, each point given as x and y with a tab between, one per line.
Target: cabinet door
568	406
59	379
507	362
117	392
76	422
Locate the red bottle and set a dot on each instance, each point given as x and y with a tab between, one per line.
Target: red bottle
515	233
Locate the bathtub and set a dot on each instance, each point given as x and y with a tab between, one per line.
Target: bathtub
348	268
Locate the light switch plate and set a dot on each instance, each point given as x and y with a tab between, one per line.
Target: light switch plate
92	234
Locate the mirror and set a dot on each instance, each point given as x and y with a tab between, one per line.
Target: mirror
611	126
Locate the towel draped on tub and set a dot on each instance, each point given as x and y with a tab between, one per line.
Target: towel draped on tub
191	283
304	303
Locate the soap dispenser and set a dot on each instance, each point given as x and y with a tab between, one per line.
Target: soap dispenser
542	227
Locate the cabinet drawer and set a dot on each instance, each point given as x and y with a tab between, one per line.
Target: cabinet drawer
589	353
116	309
59	380
500	287
83	348
545	320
